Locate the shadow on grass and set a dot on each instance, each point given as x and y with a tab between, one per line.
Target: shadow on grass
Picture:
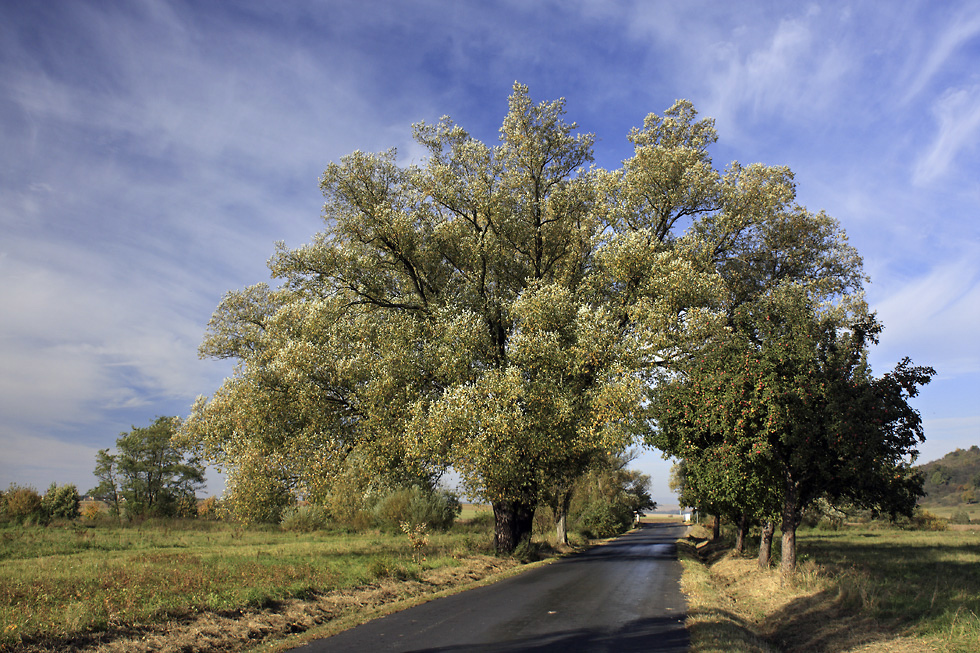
718	630
886	586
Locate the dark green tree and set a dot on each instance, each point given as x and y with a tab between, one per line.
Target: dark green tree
786	411
151	473
108	488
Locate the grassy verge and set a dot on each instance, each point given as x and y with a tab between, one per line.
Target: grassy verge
856	589
71	587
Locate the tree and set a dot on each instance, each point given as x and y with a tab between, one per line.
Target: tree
151	473
108	488
61	502
496	309
787	408
608	497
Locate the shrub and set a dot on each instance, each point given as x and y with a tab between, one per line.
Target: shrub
600	518
960	517
92	511
416	505
186	506
304	519
62	502
922	520
208	509
23	505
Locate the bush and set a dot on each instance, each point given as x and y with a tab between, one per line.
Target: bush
600	519
304	519
416	505
61	502
93	511
208	509
22	505
960	517
922	520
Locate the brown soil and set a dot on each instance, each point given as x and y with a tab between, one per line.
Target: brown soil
323	615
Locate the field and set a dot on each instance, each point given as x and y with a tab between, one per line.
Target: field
856	589
71	587
973	510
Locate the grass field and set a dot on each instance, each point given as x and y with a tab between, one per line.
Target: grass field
60	584
856	589
973	510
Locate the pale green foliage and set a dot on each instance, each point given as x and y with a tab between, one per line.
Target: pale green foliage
497	308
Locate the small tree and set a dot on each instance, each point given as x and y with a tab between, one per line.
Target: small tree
607	498
61	502
108	488
151	472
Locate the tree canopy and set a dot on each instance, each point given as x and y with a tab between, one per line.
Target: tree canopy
497	309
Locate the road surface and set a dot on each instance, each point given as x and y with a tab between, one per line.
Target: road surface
623	596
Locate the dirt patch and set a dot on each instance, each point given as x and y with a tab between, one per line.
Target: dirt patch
242	629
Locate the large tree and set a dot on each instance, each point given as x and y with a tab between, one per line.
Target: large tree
496	309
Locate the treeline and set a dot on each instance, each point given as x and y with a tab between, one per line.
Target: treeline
953	479
153	473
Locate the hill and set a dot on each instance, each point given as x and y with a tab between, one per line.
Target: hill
953	479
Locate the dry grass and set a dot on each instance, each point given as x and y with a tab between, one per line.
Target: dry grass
853	591
72	588
315	616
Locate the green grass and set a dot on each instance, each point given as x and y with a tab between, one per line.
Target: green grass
946	512
471	510
924	583
63	582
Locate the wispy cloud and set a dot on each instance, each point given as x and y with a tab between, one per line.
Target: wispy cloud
934	317
790	72
957	114
961	28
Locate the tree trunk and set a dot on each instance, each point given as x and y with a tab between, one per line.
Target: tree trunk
561	517
716	528
743	527
765	544
788	562
791	519
513	521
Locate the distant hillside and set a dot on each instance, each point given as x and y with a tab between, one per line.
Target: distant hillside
954	478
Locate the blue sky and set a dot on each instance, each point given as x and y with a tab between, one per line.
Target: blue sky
154	151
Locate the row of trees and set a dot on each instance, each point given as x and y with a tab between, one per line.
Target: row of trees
516	314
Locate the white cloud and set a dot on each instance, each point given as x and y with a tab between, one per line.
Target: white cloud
961	28
933	318
792	74
38	460
957	113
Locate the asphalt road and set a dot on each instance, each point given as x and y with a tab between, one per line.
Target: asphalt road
623	596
